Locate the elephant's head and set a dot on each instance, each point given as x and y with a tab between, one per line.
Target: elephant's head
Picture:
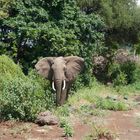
61	71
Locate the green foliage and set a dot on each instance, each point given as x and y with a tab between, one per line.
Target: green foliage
50	28
45	86
132	79
90	110
109	104
100	132
5	5
115	13
31	29
22	97
63	111
68	130
8	67
121	18
122	74
8	70
120	79
63	122
136	74
90	100
44	83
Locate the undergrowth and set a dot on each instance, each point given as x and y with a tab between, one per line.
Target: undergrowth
99	132
67	127
97	96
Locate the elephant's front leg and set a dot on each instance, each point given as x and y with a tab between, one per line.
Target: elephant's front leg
68	90
64	94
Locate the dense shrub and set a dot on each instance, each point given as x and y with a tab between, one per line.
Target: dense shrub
123	74
46	87
45	84
136	73
100	68
9	70
123	68
120	68
22	97
8	67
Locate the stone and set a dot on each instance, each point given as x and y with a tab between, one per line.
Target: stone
46	118
125	97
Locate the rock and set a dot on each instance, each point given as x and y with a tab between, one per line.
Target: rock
125	97
46	118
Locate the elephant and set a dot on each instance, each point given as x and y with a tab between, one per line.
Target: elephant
61	72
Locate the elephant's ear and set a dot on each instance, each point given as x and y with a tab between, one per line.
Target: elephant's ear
43	67
74	66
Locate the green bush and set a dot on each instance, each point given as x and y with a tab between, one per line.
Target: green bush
120	79
45	85
9	68
123	74
100	132
136	74
63	111
68	129
22	97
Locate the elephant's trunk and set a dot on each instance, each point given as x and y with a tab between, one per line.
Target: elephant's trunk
58	85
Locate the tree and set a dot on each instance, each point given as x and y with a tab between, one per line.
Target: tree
136	31
117	14
5	5
37	28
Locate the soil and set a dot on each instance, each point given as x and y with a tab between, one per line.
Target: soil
29	131
125	124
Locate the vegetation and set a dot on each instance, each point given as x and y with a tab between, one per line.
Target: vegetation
82	28
99	132
68	130
21	97
119	17
50	28
8	67
30	29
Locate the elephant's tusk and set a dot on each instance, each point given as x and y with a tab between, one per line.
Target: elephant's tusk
53	86
64	84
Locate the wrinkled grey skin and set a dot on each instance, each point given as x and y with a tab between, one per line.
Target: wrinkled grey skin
58	70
